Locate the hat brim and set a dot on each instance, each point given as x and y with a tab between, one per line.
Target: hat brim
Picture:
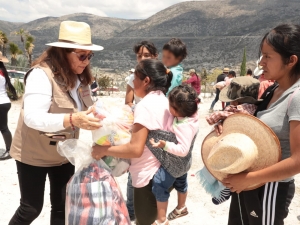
4	60
257	72
224	98
76	46
268	145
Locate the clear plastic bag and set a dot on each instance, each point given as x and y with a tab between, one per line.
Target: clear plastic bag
117	120
93	196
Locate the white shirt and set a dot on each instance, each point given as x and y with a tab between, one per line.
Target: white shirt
130	83
37	102
3	93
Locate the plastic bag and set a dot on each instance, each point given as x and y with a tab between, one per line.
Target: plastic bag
93	196
117	120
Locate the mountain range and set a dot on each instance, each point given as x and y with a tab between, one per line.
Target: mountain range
216	32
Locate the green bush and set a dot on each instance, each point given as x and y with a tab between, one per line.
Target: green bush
19	86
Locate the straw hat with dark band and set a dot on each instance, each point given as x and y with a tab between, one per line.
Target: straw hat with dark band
3	58
75	35
241	89
245	145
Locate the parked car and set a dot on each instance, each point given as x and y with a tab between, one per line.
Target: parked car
14	74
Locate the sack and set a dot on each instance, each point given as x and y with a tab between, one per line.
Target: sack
117	120
220	85
93	197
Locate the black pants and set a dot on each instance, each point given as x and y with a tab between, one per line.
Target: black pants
267	205
4	108
32	185
216	99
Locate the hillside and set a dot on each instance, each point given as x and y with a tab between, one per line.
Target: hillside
215	31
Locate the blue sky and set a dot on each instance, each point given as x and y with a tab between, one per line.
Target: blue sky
28	10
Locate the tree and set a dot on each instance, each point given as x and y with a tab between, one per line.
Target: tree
104	82
29	46
3	42
14	52
243	65
22	34
204	79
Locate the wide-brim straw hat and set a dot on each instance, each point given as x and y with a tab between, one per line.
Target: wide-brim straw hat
3	58
246	145
75	35
242	89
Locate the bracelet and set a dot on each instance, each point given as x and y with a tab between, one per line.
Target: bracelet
71	122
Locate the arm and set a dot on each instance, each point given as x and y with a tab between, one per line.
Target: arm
129	96
280	171
191	80
37	101
133	149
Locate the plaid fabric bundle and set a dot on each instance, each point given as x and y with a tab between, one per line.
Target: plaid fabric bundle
175	165
94	198
230	110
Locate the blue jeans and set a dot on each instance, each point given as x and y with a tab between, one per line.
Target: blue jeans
163	181
129	202
216	99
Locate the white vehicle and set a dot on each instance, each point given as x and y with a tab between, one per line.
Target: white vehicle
13	74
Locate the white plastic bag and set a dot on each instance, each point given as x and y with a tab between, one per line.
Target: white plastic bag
117	120
93	197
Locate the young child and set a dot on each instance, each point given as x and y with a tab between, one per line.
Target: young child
183	105
174	52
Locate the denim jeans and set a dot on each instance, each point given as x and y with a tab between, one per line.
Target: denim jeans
216	99
162	183
129	202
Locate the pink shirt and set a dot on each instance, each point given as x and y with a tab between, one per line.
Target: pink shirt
153	113
185	130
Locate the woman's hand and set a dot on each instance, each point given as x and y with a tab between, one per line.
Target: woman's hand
83	120
239	182
99	151
219	128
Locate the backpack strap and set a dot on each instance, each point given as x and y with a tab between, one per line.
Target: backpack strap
292	96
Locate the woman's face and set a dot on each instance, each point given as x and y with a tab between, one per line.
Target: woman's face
144	54
79	59
140	86
272	64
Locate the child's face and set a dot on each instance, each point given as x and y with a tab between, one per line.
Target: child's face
173	111
169	59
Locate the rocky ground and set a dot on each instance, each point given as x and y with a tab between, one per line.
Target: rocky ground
202	210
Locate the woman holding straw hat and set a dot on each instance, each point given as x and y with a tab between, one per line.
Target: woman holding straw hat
269	204
55	107
5	105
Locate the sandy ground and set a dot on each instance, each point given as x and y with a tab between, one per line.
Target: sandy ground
201	209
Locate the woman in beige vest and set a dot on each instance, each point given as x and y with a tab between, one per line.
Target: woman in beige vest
55	106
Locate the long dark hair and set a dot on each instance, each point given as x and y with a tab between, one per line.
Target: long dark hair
184	100
285	40
146	44
10	87
56	59
160	77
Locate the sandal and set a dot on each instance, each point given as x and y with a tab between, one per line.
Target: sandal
177	213
164	223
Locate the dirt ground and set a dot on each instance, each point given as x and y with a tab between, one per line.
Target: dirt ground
201	209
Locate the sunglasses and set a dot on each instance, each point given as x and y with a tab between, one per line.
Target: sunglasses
83	57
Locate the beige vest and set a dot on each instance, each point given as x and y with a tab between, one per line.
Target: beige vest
38	148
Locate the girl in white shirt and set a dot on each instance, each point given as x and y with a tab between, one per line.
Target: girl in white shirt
5	106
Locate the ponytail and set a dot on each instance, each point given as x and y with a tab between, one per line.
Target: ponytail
169	78
9	85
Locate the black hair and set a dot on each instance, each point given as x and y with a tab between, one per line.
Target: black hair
177	48
148	45
285	40
232	73
10	87
249	72
160	77
184	100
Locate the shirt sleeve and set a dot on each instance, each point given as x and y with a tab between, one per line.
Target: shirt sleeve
293	110
191	80
130	81
37	101
184	135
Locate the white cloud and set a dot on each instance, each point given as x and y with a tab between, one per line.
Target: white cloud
28	10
